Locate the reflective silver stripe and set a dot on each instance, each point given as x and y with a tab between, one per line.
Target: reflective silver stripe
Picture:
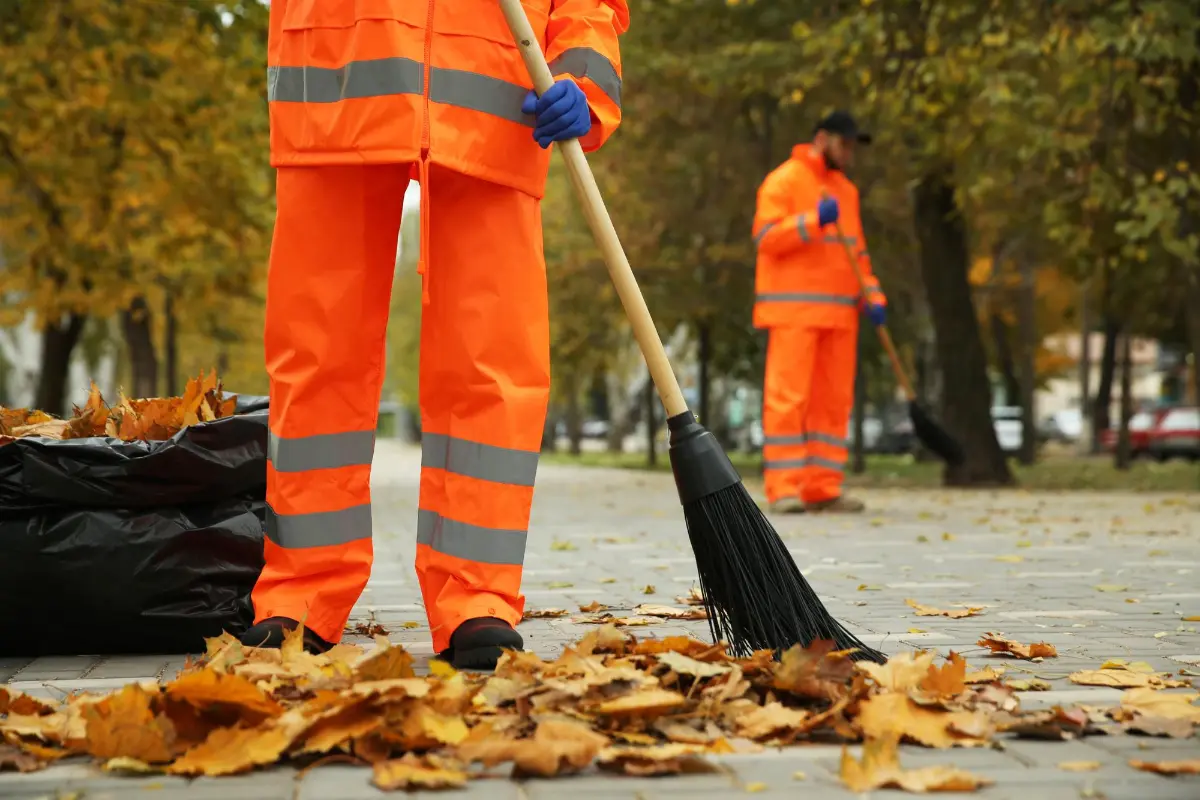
584	62
297	531
802	227
474	460
804	438
863	253
475	92
826	463
825	438
765	229
801	463
785	440
326	451
358	79
806	297
470	542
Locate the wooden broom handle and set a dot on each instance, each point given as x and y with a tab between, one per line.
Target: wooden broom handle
884	336
601	224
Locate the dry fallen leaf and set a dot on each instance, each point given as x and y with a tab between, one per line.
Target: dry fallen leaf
1189	767
902	671
662	759
556	747
999	645
1079	766
14	760
880	768
771	721
593	607
896	714
1158	726
948	680
953	613
1029	685
669	612
985	675
544	613
228	751
418	772
1151	703
1125	679
126	724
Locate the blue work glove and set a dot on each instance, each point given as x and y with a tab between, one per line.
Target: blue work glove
561	113
877	314
827	211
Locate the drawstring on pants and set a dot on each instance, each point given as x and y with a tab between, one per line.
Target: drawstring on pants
423	258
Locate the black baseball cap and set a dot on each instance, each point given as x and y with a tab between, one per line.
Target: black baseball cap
842	124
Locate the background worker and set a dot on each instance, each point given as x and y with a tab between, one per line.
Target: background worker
361	99
808	299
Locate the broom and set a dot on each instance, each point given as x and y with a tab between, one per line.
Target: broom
936	438
754	594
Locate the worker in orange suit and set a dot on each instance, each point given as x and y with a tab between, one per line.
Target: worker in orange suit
808	298
363	95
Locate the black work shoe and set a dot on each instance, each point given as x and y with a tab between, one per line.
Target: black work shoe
269	633
477	643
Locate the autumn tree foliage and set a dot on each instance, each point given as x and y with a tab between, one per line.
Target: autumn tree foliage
133	175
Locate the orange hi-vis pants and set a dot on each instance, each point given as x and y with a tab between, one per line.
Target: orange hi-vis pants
807	400
485	383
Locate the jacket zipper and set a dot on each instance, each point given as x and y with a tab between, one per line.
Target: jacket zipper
425	135
423	164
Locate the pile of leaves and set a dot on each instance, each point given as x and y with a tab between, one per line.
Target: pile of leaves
650	707
149	419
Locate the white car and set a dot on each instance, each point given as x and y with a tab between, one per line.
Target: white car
1006	420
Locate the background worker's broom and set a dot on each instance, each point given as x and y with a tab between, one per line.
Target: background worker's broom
936	438
755	596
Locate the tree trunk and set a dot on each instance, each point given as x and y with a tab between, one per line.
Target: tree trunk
58	342
1122	457
619	405
139	339
1004	358
858	461
1193	330
1101	413
171	347
651	446
574	423
704	362
549	437
1086	439
1028	339
944	271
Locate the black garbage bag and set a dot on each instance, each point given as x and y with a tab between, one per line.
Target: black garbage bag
131	547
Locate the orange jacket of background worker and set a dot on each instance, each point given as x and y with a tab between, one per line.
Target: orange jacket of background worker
808	298
363	95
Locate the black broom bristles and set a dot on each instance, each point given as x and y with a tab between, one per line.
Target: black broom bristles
754	593
934	436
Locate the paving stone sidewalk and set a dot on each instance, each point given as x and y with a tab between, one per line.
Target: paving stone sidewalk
1098	576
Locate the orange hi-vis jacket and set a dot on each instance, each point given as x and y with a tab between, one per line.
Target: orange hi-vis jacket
432	82
803	278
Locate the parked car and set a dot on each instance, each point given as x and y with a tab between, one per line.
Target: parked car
1065	426
1142	426
1009	428
1177	435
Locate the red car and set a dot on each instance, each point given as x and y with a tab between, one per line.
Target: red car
1177	435
1142	426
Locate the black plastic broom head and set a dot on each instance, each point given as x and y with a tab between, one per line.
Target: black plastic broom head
754	593
936	438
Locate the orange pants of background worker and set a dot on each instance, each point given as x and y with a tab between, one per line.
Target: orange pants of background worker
808	397
485	383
